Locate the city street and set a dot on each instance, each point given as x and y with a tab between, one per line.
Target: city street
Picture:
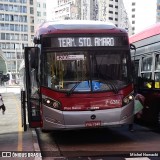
102	143
14	142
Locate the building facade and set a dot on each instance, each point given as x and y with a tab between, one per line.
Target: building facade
41	11
66	9
158	11
103	10
18	20
127	14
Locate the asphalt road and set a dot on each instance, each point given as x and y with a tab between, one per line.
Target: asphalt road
102	143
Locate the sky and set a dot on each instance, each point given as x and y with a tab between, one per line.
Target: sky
146	12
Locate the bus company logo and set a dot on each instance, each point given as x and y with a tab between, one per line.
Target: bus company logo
113	102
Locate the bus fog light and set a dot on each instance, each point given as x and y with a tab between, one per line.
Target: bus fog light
126	100
55	105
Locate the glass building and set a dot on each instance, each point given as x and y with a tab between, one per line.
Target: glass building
18	20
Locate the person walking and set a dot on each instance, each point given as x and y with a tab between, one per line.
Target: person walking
2	106
141	99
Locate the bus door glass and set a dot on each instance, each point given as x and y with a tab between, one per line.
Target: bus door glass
157	71
146	72
32	86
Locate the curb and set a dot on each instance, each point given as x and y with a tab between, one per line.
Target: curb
36	144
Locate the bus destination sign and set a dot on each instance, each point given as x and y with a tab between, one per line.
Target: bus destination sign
88	41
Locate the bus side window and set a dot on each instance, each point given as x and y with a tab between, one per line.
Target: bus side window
147	80
157	80
157	73
157	62
147	64
135	72
146	72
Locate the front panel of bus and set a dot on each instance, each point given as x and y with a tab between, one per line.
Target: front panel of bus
86	82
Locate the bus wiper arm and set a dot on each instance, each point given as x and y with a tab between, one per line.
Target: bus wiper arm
112	85
73	88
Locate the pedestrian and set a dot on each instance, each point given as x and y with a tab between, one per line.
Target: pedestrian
2	106
141	98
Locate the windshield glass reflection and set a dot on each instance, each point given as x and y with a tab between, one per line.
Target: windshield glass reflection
82	71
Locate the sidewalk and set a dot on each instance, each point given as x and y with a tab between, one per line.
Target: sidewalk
14	142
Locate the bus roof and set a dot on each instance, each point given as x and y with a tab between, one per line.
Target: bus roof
148	32
76	26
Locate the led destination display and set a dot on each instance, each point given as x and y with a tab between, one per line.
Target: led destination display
86	41
64	42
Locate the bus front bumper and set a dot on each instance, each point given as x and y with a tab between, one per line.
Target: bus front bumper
70	120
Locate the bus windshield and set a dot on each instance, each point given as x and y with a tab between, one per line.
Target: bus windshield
85	71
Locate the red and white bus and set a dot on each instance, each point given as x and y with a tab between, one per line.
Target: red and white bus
147	77
78	76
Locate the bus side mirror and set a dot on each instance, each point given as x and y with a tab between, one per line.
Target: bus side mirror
132	47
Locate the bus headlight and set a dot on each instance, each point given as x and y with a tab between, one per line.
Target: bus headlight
128	99
52	103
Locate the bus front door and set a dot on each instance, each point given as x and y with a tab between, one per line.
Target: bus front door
32	87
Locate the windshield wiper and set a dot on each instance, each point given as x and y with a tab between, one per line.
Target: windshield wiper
112	85
72	89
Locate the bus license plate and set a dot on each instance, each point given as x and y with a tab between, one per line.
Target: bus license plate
93	123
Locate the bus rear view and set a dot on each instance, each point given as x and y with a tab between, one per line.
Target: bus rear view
81	76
